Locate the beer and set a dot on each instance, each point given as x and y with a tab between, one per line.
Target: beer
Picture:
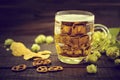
73	36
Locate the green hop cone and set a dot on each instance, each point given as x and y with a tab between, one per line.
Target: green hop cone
8	42
117	61
35	48
49	39
92	58
100	42
98	36
96	53
40	39
91	68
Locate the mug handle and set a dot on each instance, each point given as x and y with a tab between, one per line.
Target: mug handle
97	27
102	28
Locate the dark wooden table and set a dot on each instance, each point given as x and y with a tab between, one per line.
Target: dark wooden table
23	23
106	68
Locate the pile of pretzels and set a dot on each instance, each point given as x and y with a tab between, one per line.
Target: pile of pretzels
41	65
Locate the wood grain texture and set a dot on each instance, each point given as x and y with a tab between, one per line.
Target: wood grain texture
107	70
23	20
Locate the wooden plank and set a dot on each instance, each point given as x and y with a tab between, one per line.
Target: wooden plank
8	60
67	73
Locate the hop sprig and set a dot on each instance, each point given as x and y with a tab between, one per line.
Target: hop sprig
113	52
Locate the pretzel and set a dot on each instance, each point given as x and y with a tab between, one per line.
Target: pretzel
46	61
42	69
37	63
41	62
35	59
55	68
59	68
18	68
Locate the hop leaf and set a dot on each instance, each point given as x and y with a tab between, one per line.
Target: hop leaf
113	52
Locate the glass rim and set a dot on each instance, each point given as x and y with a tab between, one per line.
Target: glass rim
79	12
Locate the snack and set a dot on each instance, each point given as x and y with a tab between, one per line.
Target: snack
19	49
55	68
41	62
18	68
42	69
46	62
35	59
42	54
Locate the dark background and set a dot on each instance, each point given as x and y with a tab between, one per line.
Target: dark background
36	16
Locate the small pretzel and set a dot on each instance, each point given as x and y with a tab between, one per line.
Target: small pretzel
35	59
46	61
42	69
37	63
59	68
55	68
41	62
18	68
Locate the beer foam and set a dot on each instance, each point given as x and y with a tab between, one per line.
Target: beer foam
74	18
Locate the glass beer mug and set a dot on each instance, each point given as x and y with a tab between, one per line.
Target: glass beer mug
73	35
